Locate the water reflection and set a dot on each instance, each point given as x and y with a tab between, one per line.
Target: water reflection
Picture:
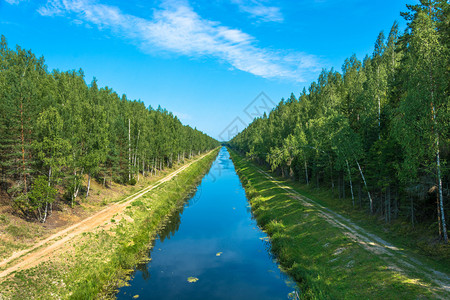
215	241
172	225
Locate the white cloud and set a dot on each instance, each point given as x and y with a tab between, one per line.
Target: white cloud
258	9
13	2
177	28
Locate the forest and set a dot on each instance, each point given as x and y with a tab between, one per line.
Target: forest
377	133
56	131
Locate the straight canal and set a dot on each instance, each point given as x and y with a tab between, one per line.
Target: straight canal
211	248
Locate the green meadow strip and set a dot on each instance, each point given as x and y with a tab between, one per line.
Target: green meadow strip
324	261
96	263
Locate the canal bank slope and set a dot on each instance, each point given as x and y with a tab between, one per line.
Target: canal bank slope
328	255
93	263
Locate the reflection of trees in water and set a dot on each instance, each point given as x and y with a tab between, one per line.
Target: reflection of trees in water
143	267
171	225
195	191
194	196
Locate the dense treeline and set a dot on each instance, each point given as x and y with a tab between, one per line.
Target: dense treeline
379	131
55	130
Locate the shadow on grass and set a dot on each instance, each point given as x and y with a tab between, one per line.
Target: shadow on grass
321	258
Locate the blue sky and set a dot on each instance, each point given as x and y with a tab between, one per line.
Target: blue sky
206	61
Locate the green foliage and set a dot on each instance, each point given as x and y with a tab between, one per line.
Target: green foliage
319	255
40	196
56	124
383	124
101	261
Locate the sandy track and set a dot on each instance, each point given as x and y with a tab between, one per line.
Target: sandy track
395	258
42	250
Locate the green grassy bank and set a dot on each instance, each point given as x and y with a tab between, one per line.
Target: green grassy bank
94	264
324	261
18	233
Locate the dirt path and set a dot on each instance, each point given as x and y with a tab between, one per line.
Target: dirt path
395	258
42	250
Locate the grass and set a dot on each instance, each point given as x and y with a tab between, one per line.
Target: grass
321	258
18	233
96	263
420	240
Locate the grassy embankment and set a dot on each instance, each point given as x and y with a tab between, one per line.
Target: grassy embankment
17	233
420	240
325	262
95	263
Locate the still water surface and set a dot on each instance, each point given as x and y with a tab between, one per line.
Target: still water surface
215	239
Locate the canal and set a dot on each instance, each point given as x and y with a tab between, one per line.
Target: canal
211	248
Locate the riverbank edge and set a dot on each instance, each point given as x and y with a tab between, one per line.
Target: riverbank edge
19	234
96	263
323	261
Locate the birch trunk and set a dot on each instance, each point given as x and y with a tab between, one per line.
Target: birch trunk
439	215
129	149
439	177
89	184
143	167
365	184
76	187
441	197
49	175
138	171
154	166
135	154
25	189
351	185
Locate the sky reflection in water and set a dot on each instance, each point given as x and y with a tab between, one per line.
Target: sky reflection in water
217	219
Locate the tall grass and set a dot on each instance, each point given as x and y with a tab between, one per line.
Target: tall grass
96	263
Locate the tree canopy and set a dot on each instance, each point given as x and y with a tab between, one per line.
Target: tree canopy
55	129
381	125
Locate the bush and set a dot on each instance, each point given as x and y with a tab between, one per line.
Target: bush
37	201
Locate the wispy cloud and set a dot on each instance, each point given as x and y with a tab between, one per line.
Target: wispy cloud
258	9
14	1
177	28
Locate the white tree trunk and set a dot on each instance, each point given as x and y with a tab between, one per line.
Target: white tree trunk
154	166
138	170
365	184
143	167
76	186
49	175
438	166
89	184
441	196
135	153
351	185
129	149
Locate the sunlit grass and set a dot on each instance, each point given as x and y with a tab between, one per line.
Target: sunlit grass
325	263
96	263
